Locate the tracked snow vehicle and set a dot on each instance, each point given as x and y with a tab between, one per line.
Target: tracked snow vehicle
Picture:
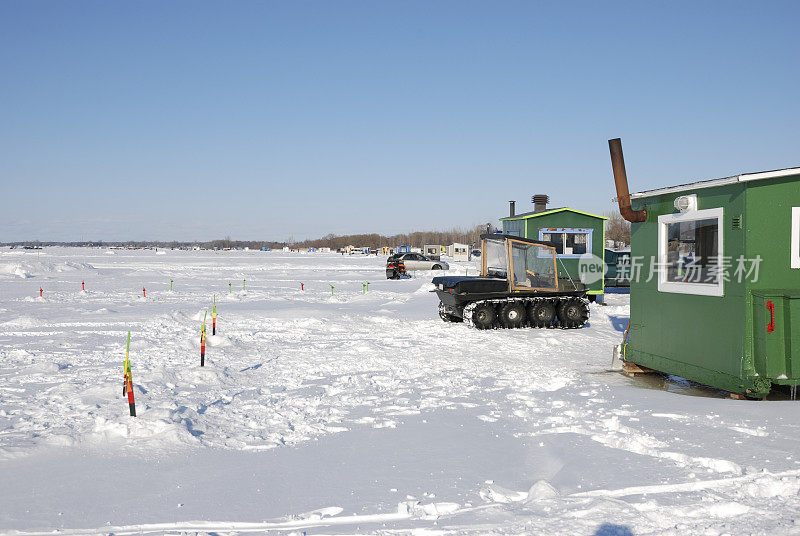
519	286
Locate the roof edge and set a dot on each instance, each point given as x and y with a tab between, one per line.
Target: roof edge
508	218
746	177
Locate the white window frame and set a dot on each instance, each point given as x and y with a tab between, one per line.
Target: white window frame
565	231
795	246
701	289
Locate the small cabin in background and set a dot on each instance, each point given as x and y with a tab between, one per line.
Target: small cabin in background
432	251
459	252
577	236
618	267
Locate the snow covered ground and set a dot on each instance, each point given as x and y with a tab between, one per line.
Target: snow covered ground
352	412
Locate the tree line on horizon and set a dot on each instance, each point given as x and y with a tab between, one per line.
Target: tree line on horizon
617	229
373	240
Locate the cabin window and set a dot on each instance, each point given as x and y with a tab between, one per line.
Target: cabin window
568	242
495	259
795	246
690	252
534	266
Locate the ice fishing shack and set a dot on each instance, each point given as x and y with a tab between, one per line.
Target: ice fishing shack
715	279
578	237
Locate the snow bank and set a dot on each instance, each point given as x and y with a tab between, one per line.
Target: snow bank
28	269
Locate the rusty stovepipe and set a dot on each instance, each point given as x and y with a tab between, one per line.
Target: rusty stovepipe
621	180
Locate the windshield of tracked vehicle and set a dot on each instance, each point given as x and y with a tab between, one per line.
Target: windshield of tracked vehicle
496	263
533	265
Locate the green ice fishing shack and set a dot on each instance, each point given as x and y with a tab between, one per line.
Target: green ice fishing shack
578	237
715	279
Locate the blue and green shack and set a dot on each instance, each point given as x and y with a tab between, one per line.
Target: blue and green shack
578	237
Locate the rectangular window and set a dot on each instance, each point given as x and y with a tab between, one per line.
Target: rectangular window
569	242
555	240
494	258
795	247
534	266
690	252
575	243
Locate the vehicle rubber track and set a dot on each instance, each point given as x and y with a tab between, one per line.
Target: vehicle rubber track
570	312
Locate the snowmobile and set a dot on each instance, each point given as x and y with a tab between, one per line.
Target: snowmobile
519	286
395	269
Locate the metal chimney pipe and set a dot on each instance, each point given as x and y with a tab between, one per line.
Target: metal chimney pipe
621	181
540	202
511	212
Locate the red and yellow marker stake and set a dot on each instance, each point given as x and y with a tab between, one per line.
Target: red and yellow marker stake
128	385
214	317
203	343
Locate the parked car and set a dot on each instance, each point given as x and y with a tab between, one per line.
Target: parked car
417	261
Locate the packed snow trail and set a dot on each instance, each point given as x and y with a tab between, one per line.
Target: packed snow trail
362	400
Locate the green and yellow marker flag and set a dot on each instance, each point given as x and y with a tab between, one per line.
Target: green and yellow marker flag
129	378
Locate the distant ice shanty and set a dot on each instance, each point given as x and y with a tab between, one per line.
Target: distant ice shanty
432	251
618	262
459	252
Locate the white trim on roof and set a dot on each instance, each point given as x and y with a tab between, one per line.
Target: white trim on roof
719	182
769	174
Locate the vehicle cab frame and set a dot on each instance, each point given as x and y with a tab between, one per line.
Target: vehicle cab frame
528	265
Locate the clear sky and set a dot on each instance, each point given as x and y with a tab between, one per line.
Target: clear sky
267	120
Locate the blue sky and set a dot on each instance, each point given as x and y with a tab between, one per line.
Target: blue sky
269	120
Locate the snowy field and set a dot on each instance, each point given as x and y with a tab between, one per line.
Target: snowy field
350	414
